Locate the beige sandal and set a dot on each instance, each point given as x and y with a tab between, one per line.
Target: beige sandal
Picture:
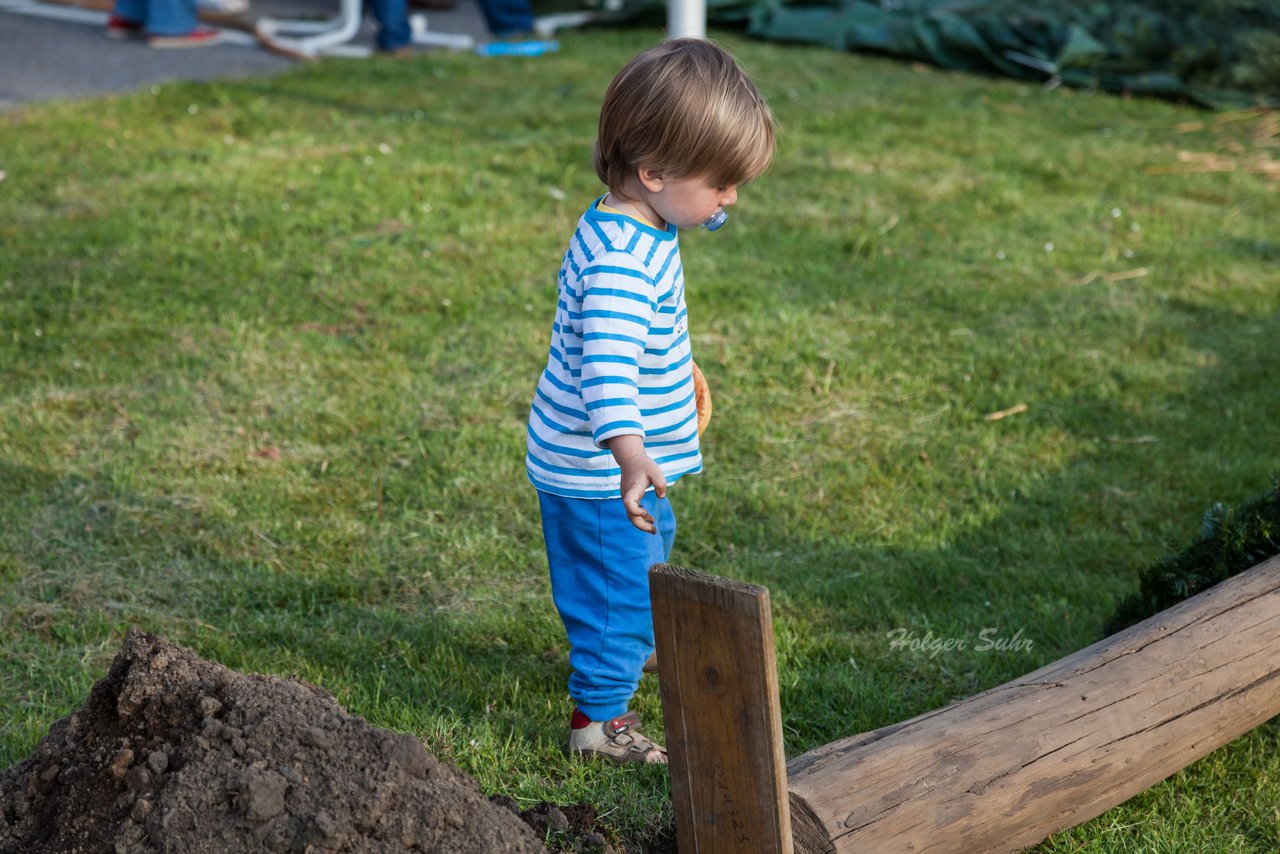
618	740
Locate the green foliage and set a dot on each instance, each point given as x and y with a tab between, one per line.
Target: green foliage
1232	540
1207	44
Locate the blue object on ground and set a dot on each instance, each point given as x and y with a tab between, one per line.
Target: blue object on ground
530	48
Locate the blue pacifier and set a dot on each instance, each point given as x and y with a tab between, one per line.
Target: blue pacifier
717	219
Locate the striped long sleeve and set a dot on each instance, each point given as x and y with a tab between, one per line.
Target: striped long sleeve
619	361
618	308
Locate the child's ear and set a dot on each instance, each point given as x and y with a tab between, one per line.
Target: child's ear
650	179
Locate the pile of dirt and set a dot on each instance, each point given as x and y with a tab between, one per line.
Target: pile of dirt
579	829
174	753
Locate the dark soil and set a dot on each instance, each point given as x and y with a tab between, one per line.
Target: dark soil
577	829
174	753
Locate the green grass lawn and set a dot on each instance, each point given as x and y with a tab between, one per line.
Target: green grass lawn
267	350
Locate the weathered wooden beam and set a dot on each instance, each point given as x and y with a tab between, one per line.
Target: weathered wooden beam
1006	768
719	685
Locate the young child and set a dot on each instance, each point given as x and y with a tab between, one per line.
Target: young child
613	422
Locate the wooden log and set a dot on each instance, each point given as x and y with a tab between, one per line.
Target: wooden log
1006	768
719	685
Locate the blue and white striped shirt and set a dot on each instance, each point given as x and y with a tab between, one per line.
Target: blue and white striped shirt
620	361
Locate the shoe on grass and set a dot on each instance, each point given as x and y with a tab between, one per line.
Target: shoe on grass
123	28
618	740
199	37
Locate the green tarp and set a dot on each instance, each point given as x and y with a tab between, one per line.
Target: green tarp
1219	53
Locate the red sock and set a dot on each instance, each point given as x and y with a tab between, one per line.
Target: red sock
579	720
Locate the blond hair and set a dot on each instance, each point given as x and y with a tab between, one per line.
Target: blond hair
683	109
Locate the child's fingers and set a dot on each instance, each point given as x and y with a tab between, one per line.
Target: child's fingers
643	521
638	515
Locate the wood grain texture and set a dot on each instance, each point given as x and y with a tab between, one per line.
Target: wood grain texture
1004	769
719	685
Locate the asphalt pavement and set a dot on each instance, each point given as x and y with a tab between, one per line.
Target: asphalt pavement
49	58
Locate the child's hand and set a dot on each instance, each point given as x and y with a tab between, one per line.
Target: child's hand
638	471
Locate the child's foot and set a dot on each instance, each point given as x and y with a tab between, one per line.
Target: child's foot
618	740
123	28
199	37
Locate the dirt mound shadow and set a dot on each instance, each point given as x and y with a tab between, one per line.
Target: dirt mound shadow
174	753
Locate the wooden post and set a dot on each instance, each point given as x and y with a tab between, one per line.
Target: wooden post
1006	768
719	685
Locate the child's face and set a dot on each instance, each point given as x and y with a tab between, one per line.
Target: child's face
687	202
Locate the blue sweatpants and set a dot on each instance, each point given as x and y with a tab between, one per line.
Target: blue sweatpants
600	583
